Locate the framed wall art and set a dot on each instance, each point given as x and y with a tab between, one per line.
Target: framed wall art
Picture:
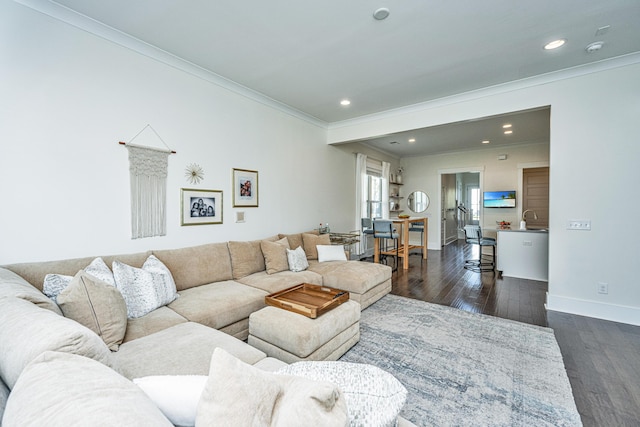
245	188
201	207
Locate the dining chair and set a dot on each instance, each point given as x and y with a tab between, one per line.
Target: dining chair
473	236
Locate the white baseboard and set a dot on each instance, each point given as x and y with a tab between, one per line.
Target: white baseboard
599	310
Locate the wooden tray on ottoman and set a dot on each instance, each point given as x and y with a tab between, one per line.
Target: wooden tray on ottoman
307	299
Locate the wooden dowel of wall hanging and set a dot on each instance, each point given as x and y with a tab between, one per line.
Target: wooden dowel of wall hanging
124	143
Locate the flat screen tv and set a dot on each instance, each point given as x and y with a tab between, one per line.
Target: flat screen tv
499	199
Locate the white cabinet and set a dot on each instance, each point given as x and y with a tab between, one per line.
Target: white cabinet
524	254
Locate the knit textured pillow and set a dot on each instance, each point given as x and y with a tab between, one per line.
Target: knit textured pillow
144	289
297	259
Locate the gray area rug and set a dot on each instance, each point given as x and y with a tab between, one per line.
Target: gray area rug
466	369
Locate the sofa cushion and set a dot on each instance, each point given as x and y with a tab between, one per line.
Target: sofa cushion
275	255
4	396
271	283
12	285
197	265
184	349
353	276
29	330
267	399
60	389
34	272
246	258
295	239
218	304
97	305
144	289
310	241
159	319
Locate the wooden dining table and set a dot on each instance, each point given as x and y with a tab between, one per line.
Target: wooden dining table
404	247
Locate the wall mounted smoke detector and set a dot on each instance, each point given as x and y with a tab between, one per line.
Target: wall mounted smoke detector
594	47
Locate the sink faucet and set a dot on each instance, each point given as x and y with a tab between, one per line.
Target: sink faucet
535	215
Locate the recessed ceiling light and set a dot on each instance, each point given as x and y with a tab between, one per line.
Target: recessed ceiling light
381	13
486	141
506	126
345	102
508	132
412	140
554	44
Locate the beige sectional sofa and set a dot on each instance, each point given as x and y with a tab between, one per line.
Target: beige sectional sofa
219	285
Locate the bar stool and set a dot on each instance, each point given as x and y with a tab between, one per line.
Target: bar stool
367	230
383	229
473	236
418	227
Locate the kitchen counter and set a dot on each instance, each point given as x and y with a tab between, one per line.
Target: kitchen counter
524	253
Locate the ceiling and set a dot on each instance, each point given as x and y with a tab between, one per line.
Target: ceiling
528	127
311	55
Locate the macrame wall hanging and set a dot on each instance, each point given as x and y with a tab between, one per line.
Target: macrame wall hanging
148	175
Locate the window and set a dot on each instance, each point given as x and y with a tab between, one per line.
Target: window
374	196
474	192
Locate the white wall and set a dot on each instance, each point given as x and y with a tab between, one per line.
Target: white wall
594	157
423	174
67	97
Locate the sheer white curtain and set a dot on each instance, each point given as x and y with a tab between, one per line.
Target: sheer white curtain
361	190
386	166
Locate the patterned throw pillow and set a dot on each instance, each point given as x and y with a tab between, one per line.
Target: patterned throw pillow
297	259
100	270
56	283
374	397
144	289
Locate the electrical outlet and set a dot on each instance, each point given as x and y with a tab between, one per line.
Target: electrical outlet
603	288
579	224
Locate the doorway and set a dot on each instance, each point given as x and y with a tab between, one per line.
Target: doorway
459	204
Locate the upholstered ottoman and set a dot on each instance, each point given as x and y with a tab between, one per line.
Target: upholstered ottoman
292	337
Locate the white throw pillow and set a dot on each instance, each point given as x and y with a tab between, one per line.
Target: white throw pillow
176	396
144	289
331	253
297	259
374	397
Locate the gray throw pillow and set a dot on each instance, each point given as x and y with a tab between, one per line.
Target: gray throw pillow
97	305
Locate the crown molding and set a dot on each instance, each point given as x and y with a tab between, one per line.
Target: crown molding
541	79
90	25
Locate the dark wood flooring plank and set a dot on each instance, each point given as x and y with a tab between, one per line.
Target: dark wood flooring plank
602	358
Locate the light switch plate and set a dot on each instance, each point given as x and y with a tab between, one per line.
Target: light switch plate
579	224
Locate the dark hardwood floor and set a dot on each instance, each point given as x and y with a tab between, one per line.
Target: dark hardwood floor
602	358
